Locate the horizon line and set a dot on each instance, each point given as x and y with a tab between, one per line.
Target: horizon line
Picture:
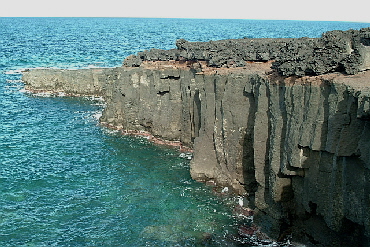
190	18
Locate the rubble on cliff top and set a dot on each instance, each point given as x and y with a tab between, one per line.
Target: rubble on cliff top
347	52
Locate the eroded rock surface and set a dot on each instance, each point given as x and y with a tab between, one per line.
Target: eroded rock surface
335	51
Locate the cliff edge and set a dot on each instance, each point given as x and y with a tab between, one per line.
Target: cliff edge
283	122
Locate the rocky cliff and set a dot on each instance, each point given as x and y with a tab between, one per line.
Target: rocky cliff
283	122
335	51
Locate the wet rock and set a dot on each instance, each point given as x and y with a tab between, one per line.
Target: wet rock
243	212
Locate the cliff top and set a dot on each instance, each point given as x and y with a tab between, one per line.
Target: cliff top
335	51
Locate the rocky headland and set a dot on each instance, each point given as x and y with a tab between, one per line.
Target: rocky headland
285	123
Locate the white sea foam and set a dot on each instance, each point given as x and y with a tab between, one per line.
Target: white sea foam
225	190
110	131
14	81
15	71
94	98
97	115
188	156
43	94
94	65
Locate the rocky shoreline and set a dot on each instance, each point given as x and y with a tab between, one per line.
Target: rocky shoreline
284	123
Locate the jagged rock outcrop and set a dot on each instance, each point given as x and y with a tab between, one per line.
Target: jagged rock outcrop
298	148
335	51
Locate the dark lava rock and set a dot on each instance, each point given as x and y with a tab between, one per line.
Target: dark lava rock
336	51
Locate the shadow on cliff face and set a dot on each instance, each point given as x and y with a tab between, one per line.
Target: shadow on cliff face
197	115
330	210
324	129
323	205
250	182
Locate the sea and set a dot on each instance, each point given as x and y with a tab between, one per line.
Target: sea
67	181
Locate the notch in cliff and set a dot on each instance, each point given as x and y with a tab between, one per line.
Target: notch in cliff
171	77
161	93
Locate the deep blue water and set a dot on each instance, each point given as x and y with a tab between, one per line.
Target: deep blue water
65	180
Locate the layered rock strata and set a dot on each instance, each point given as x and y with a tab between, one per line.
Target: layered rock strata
298	148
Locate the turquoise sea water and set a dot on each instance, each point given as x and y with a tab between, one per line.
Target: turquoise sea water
65	180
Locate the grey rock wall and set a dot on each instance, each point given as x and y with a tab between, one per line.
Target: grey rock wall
316	159
70	82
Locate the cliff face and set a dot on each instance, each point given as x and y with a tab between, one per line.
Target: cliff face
311	156
298	148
